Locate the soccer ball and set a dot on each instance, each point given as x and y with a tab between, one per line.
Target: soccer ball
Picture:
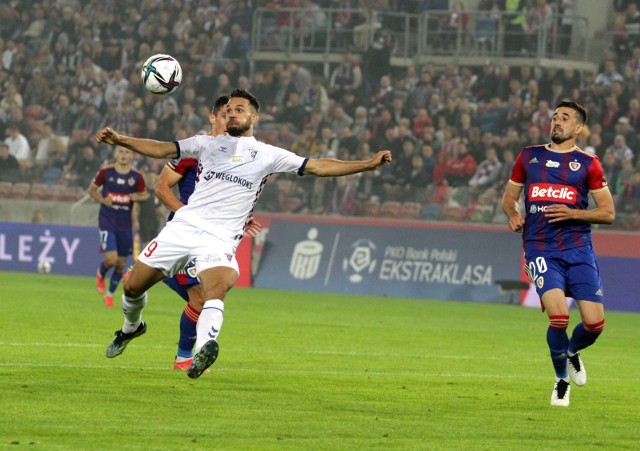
44	266
161	74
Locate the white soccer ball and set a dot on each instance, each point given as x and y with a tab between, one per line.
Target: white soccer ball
44	266
161	74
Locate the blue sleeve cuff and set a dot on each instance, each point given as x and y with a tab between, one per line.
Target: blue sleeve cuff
304	165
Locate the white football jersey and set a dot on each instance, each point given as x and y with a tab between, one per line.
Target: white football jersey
231	174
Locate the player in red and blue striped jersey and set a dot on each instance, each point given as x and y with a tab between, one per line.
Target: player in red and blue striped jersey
116	187
557	179
184	173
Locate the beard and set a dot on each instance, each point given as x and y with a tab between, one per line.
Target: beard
237	129
559	138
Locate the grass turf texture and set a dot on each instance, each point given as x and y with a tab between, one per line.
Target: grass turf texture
303	371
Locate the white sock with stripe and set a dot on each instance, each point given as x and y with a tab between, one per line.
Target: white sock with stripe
209	322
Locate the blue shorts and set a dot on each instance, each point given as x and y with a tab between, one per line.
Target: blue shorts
121	241
183	280
574	271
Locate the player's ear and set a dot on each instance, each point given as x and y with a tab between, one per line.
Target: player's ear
254	117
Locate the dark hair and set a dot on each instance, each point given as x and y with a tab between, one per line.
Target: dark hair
220	103
253	101
581	113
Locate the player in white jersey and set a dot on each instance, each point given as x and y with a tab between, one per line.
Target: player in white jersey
232	171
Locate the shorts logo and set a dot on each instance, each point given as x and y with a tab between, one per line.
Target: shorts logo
552	164
553	193
191	271
229	256
540	281
574	166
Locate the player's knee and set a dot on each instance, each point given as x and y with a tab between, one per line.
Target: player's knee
131	289
594	328
559	322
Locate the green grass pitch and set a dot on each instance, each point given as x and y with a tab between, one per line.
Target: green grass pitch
304	371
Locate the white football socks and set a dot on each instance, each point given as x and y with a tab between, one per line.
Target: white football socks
132	308
209	323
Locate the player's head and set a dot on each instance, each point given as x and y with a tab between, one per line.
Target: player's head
567	122
242	113
122	155
580	112
218	116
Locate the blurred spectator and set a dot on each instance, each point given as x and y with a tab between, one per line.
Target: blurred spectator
84	168
238	45
88	121
486	173
624	177
64	116
376	62
340	120
315	98
515	23
619	150
293	112
608	75
455	25
342	200
541	118
461	166
19	146
9	166
623	127
48	143
629	199
346	76
611	168
565	25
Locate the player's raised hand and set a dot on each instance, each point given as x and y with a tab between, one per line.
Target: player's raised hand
382	157
108	136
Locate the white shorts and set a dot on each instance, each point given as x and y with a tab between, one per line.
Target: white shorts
180	242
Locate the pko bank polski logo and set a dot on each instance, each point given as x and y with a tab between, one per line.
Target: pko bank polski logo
306	257
362	260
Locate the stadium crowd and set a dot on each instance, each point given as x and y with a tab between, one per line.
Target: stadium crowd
69	68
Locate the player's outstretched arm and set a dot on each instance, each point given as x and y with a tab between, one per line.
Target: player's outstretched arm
327	167
148	147
167	180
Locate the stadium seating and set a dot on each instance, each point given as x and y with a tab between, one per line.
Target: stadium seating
454	214
38	191
5	189
20	190
72	194
370	208
410	210
431	212
389	209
